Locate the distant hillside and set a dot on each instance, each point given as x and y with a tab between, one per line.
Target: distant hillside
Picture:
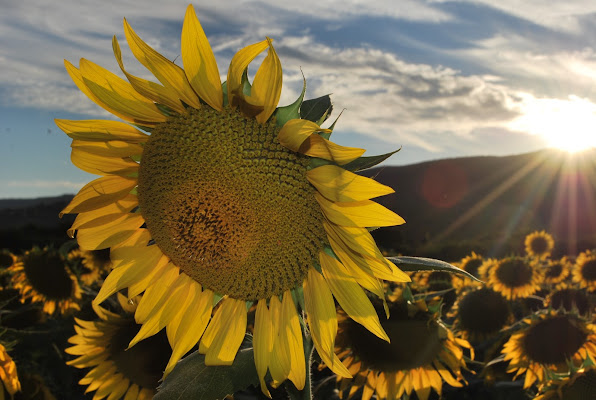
489	204
452	206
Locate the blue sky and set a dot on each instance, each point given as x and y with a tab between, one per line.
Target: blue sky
439	78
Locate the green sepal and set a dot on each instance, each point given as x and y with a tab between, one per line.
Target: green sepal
317	110
362	163
292	111
192	379
413	264
224	89
246	86
165	110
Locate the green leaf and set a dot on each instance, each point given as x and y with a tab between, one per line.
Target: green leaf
362	163
412	264
192	379
316	110
292	111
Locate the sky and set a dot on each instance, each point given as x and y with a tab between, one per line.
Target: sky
439	79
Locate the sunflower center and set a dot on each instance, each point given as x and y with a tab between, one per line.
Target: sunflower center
144	362
414	343
228	204
589	270
483	311
5	260
554	270
514	273
553	340
46	273
539	245
472	266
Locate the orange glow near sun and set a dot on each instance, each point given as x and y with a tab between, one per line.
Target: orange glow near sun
563	124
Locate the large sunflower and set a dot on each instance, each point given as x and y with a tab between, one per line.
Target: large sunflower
547	343
584	272
422	354
514	277
539	244
225	198
8	374
115	370
42	276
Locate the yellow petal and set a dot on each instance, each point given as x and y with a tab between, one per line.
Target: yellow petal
100	130
322	320
226	343
94	218
296	131
350	296
117	227
262	342
362	214
279	358
291	332
199	62
138	287
130	272
102	165
148	89
337	184
175	302
111	148
156	294
99	193
132	393
266	86
168	73
191	327
238	64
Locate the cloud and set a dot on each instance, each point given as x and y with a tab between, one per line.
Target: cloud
40	184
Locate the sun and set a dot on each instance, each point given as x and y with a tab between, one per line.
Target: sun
568	125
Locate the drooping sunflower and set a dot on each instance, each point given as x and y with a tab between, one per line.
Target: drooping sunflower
556	271
584	272
226	196
115	370
578	386
547	344
42	276
481	312
514	277
539	244
570	300
423	353
8	374
92	264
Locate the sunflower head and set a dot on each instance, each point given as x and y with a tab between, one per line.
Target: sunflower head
90	265
481	312
212	190
42	275
548	343
556	271
471	264
570	300
514	277
421	355
584	272
102	345
539	244
6	259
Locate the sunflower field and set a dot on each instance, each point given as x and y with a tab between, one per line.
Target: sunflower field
227	250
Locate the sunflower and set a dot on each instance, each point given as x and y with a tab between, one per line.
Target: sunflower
421	355
555	271
539	244
584	272
578	386
8	374
514	277
471	264
43	276
481	312
547	344
570	300
485	267
94	263
226	197
6	259
117	371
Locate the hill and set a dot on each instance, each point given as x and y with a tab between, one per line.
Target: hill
451	207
